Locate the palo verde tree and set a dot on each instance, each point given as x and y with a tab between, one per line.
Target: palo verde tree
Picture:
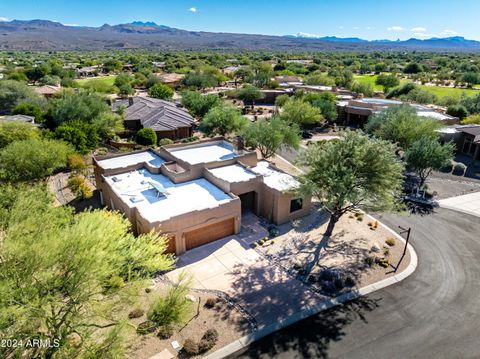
269	135
402	125
426	155
387	81
352	172
66	277
223	120
249	94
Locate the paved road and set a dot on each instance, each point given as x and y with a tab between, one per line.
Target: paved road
435	313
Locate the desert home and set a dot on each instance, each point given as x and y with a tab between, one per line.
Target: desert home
196	193
165	118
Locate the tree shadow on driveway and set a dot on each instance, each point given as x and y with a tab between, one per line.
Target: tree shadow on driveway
310	338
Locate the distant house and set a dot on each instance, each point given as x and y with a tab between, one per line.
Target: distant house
47	90
173	80
357	112
470	141
289	81
88	71
165	118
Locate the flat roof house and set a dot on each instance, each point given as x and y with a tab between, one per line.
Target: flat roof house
196	193
357	112
165	118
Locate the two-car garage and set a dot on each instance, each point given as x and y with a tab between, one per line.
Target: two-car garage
209	233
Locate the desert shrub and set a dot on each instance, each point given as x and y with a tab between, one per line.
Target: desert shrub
370	260
190	347
385	263
165	141
386	251
135	313
146	327
211	302
189	139
165	332
329	275
102	151
339	283
459	167
208	341
79	186
274	232
115	282
349	282
390	241
146	137
174	307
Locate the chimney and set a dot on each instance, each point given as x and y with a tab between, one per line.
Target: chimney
238	144
130	101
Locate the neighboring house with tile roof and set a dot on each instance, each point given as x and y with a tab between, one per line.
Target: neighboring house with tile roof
165	118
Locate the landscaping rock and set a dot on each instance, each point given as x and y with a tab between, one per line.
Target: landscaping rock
191	298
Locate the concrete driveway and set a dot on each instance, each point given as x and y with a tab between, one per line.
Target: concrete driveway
468	203
265	291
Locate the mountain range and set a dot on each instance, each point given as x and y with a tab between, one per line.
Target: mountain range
46	35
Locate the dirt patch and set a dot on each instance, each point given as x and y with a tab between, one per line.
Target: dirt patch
302	248
226	319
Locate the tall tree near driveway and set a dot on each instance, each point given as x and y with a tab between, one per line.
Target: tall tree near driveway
350	173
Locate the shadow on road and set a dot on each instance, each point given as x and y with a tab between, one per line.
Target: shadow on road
310	338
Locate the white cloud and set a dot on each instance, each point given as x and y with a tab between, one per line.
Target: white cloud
72	25
368	28
448	33
340	27
355	28
418	29
306	34
3	19
423	34
193	9
395	28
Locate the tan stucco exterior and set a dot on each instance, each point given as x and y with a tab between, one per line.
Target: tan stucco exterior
269	202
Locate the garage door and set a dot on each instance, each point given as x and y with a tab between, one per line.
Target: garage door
209	233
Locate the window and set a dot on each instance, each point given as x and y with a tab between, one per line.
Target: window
296	204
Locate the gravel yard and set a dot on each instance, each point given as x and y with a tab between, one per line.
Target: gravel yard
357	239
229	322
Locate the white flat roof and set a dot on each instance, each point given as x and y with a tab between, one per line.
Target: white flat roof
135	190
275	179
204	153
131	159
433	114
233	173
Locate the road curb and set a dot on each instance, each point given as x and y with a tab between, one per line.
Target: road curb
319	307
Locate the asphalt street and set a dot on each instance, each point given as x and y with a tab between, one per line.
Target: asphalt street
434	313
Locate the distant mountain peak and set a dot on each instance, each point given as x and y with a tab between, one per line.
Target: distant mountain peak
142	23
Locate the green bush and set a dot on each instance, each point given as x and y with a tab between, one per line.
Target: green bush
115	282
174	307
165	141
146	327
146	137
161	91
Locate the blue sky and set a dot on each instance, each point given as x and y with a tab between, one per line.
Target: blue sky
369	19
